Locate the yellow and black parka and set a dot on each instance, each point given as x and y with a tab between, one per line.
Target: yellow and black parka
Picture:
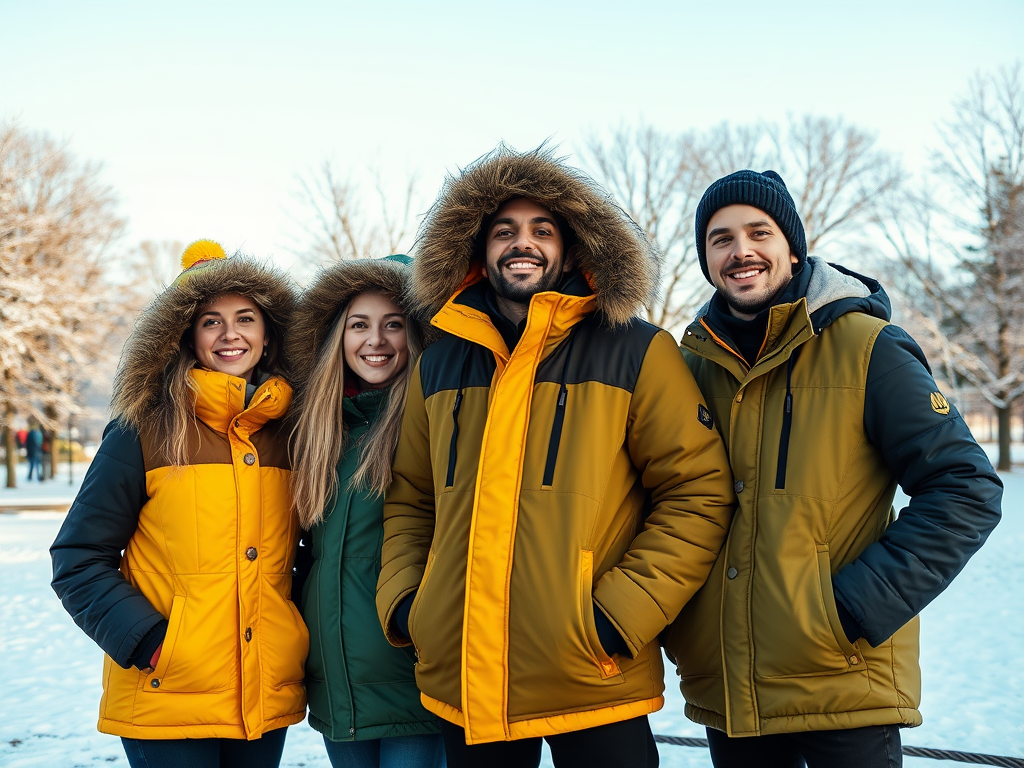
208	547
532	487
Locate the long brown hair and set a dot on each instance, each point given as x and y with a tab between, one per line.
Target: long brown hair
319	436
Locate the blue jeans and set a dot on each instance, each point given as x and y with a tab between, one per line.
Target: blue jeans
264	752
396	752
876	746
35	463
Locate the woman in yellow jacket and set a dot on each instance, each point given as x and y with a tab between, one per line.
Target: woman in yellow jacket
205	648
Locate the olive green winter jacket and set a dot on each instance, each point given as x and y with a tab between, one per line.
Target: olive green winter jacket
839	408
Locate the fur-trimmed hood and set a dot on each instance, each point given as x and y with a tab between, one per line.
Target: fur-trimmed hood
156	339
621	264
331	290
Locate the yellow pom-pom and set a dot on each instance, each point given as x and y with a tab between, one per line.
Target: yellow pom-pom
201	250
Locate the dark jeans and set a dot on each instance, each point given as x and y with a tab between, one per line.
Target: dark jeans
393	752
264	752
877	746
628	744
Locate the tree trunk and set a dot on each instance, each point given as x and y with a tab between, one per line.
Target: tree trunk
50	467
1004	438
12	455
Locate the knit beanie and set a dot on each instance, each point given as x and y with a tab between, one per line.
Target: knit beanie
765	191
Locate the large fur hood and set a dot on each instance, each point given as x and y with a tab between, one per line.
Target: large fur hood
621	264
331	290
155	342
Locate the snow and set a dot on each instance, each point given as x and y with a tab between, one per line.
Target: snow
972	656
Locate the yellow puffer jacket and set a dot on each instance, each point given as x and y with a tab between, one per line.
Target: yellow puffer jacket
213	552
207	547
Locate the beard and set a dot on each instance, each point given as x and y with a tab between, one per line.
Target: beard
750	303
520	292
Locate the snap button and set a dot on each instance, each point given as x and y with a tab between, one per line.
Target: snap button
855	659
251	553
248	634
739	396
238	423
739	486
249	459
155	682
732	573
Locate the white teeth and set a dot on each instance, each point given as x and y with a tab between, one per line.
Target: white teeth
376	358
231	352
745	274
523	265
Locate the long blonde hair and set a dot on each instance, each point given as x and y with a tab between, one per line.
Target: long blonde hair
319	436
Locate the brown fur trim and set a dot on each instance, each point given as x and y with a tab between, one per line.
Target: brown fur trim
155	341
622	263
329	292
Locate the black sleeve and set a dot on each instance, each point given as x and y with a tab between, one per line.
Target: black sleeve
954	492
87	551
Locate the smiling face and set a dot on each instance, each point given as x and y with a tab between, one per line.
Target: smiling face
749	258
524	254
229	335
375	340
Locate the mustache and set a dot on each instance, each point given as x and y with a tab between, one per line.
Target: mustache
745	264
518	255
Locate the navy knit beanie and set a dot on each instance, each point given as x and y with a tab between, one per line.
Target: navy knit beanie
766	191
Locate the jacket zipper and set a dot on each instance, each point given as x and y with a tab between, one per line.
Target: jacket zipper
787	424
556	425
453	446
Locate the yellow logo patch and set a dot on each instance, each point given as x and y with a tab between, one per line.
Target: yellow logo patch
939	403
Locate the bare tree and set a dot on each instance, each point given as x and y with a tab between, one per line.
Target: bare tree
971	294
835	173
341	223
57	225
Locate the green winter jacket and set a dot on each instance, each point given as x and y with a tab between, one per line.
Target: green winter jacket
359	686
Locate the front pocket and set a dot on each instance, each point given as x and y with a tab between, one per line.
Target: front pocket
853	655
155	679
419	599
607	666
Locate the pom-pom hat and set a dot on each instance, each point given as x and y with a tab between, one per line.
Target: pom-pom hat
764	191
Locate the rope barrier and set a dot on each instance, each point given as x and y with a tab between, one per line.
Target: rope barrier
935	754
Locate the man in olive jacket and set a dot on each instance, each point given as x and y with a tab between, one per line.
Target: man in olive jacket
805	637
557	494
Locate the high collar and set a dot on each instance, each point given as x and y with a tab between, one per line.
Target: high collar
220	400
466	314
364	406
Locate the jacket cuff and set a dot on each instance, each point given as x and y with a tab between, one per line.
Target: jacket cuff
147	646
851	628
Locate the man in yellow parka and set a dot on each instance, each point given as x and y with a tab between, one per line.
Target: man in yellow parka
559	492
805	637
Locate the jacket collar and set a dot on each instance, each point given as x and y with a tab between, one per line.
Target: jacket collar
466	314
220	400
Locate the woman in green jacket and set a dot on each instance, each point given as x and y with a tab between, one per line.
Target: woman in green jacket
354	348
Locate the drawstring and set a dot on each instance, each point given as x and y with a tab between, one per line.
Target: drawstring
453	445
787	423
556	425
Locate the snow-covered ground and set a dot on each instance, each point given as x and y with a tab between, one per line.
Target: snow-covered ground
972	657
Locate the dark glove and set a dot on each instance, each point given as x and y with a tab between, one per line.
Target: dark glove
611	640
400	618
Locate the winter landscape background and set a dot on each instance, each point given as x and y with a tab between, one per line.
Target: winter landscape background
972	657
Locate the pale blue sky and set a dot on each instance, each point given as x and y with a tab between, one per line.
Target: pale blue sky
203	112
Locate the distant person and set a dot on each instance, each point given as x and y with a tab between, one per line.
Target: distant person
34	452
205	649
353	346
802	647
557	494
